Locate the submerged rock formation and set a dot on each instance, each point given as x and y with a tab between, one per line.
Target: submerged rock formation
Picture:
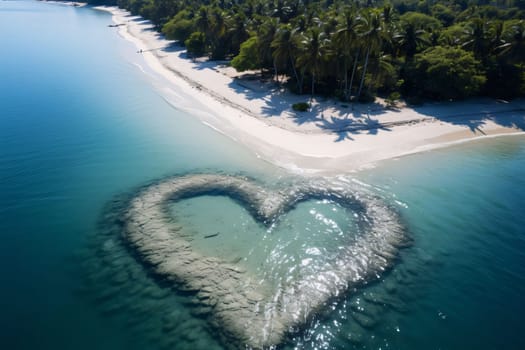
244	310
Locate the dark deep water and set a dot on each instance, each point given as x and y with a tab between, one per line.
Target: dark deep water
80	124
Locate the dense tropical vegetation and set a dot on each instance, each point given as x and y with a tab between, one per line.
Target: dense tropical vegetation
355	49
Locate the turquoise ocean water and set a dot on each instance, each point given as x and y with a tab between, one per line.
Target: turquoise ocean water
80	124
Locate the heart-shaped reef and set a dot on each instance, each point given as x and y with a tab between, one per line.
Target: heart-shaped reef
246	310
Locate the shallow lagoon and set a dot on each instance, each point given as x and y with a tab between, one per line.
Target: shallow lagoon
81	125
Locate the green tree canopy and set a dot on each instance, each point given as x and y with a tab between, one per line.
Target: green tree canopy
421	21
179	27
353	48
248	58
447	73
196	44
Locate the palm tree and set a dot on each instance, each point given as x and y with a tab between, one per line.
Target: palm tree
285	48
238	32
388	14
202	21
265	34
372	38
409	39
476	38
390	29
314	46
514	46
496	36
217	29
283	11
384	71
345	42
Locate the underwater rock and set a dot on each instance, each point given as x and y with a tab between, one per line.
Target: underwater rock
156	292
355	335
241	309
394	303
390	287
120	278
365	321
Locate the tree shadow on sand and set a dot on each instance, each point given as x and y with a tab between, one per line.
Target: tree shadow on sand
173	47
477	113
277	100
344	128
346	119
140	20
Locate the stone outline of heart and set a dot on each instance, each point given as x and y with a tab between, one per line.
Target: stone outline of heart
239	305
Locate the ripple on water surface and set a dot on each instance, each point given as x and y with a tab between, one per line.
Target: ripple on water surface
307	237
459	286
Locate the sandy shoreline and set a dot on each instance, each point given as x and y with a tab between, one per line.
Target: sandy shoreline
331	137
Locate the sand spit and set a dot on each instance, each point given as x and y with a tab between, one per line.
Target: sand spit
243	310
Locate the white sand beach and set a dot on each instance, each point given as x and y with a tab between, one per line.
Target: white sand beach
333	136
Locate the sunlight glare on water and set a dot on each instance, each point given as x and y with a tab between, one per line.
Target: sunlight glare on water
82	129
298	244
